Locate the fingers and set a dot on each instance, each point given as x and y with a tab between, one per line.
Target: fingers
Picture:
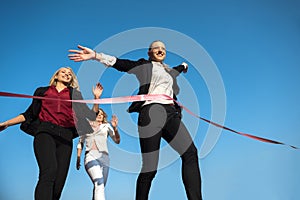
99	85
75	51
81	47
78	51
77	54
82	54
75	57
97	90
114	119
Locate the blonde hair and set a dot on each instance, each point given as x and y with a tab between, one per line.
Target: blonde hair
104	115
73	83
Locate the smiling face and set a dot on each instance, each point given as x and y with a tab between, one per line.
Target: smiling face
157	51
64	75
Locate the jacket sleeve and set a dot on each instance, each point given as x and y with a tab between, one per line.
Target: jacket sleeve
31	123
177	70
82	112
125	65
81	109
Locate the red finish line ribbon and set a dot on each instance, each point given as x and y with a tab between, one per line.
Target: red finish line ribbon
126	99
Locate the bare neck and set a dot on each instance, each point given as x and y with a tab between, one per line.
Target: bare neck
60	86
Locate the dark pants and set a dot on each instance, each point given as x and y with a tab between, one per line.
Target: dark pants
53	156
158	121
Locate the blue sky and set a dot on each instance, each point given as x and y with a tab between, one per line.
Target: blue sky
253	46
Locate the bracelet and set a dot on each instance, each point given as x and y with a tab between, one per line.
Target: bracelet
95	54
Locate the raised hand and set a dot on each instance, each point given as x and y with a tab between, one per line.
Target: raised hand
97	90
114	121
83	54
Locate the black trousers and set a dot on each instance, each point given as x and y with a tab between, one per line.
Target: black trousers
158	121
53	155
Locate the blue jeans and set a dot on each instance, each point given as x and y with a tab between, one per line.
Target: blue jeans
97	166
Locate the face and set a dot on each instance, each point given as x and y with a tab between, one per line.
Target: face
157	51
100	116
64	75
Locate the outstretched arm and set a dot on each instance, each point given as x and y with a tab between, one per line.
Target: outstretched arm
16	120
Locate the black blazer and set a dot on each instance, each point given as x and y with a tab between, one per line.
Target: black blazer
142	69
82	112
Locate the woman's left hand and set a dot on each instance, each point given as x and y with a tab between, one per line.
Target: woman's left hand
114	121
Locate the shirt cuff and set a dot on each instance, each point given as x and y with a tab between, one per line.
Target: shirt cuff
185	65
107	60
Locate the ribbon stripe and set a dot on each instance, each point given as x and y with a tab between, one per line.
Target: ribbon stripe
126	99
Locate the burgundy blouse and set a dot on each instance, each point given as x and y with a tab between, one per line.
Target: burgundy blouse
57	112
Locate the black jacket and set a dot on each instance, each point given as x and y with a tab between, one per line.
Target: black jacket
142	68
82	111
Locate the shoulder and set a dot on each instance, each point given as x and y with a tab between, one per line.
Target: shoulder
41	90
125	65
107	125
75	93
143	60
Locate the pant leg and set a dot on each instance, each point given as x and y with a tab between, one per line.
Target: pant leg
44	150
63	158
151	120
177	135
104	159
94	169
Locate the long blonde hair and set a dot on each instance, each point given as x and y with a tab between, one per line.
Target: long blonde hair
73	83
104	115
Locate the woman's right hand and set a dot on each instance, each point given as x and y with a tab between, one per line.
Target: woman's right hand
3	126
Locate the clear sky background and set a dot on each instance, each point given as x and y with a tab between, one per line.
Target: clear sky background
255	46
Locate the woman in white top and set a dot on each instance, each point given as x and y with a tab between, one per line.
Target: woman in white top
96	159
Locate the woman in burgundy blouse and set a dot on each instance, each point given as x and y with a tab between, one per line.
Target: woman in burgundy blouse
54	123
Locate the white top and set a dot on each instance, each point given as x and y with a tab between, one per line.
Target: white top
107	60
98	137
161	83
